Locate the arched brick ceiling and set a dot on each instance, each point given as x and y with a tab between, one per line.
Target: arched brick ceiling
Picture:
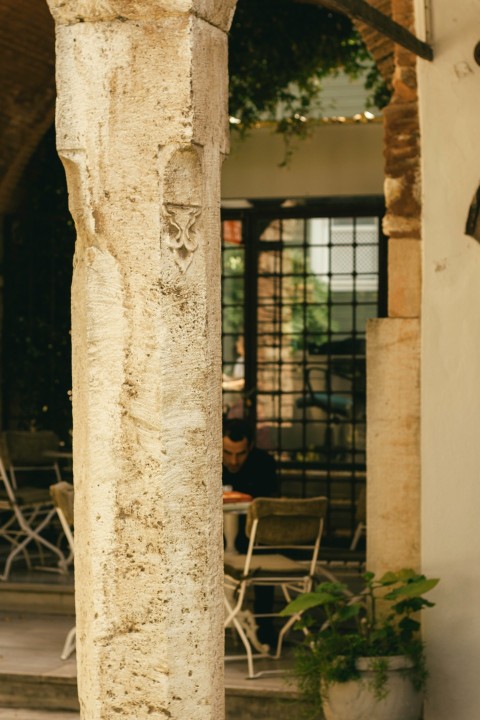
27	87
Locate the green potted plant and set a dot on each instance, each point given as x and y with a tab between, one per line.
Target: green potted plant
363	658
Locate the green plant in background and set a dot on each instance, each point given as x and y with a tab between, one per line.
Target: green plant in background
378	622
233	291
280	50
308	295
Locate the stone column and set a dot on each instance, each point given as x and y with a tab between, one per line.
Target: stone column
141	130
393	362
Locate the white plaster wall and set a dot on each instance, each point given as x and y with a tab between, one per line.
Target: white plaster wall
450	118
337	159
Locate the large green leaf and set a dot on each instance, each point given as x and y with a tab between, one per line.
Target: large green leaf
307	601
412	589
390	578
408	574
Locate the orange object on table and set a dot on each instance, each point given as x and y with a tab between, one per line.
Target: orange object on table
232	496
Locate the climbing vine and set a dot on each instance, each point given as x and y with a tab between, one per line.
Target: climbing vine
280	50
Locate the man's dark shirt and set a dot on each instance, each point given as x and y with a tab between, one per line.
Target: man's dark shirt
257	477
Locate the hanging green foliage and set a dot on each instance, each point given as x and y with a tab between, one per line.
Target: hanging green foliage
279	52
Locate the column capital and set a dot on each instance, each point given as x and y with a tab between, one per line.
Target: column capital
69	12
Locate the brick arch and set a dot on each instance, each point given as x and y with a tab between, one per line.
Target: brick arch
380	46
27	79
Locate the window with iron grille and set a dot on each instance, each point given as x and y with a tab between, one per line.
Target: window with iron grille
299	283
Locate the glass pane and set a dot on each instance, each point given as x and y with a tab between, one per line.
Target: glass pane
303	290
268	408
232	319
272	233
343	235
267	377
366	283
268	349
268	318
233	290
232	232
294	261
268	290
341	259
364	313
289	231
293	231
233	348
233	262
269	263
366	259
344	318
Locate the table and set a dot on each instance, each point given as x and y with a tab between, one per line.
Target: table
231	511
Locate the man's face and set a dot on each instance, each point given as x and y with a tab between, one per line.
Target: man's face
235	453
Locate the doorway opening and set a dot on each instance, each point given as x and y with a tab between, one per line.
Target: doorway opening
300	279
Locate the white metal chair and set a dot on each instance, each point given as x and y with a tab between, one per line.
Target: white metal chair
25	513
62	495
273	524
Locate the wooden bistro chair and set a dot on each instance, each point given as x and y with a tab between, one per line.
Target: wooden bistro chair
62	495
282	524
24	452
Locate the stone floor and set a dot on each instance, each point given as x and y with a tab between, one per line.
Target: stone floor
32	674
35	684
31	643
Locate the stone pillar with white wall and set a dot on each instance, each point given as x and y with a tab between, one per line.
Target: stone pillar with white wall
393	355
141	130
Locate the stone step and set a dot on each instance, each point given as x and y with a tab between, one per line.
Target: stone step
41	596
37	692
263	705
39	698
33	677
29	714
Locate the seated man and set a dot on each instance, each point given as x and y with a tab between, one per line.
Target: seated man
250	470
246	468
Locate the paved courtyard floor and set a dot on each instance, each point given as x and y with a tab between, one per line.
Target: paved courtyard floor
31	642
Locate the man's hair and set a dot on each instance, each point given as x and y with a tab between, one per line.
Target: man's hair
237	430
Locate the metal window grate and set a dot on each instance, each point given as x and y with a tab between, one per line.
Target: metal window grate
299	284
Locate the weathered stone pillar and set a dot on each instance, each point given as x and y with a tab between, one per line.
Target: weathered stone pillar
393	444
393	361
141	129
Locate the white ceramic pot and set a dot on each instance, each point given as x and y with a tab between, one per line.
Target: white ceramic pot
355	699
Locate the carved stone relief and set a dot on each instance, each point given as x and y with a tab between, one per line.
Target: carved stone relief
182	203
